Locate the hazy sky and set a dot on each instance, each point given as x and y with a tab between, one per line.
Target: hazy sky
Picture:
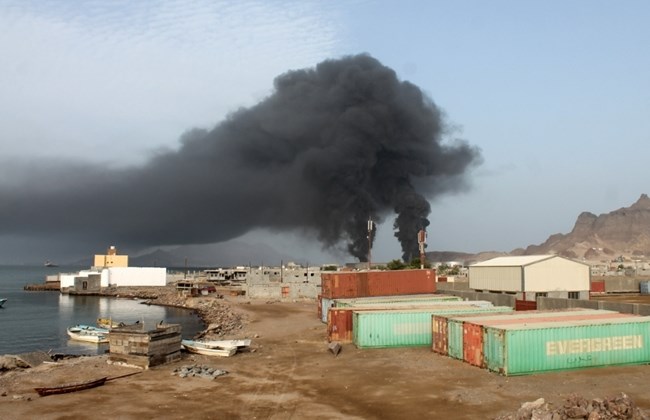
556	94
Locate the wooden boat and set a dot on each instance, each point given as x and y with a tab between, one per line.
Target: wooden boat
64	389
227	343
200	347
88	333
2	301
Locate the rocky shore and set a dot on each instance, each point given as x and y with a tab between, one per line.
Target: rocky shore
217	313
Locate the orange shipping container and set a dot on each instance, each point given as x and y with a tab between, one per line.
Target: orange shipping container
377	283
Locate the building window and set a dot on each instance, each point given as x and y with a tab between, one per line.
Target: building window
541	294
574	295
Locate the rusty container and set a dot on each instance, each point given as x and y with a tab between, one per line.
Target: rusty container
320	306
474	331
340	319
377	283
401	282
340	285
598	286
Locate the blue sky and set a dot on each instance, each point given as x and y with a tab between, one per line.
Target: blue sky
556	94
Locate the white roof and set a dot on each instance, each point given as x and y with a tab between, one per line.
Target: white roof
518	261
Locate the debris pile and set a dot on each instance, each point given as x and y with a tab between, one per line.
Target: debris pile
220	318
201	371
578	407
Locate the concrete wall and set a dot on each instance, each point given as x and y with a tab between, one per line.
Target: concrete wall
282	290
621	284
623	307
134	276
497	299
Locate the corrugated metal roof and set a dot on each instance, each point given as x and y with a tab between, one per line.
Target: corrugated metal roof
517	261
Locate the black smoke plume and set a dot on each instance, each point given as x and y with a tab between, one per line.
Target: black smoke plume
330	147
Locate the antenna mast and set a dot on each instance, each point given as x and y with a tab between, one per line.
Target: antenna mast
371	225
422	240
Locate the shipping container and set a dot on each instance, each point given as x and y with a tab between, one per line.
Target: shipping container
401	328
598	286
450	338
644	287
320	307
394	298
340	324
522	349
377	283
326	303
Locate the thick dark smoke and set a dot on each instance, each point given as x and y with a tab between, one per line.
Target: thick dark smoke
329	148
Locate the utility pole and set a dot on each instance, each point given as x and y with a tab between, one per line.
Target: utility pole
371	225
422	240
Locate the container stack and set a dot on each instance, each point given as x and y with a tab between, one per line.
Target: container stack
542	341
377	309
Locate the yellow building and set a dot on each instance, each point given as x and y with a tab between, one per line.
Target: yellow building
111	259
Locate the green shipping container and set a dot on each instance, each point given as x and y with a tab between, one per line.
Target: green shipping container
403	328
525	349
343	303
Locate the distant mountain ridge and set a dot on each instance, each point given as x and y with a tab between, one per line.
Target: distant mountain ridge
624	232
621	233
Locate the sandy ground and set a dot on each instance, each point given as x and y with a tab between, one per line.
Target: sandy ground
292	375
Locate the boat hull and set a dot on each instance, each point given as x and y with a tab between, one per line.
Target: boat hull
88	334
64	389
199	348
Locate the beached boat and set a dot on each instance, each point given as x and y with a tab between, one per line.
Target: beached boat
200	347
109	323
2	301
88	333
64	389
240	344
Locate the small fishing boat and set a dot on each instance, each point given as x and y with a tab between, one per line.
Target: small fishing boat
201	347
2	301
109	323
88	333
64	389
240	344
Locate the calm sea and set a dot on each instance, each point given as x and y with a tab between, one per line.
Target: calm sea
32	321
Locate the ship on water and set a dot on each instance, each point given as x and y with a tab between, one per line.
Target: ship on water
49	263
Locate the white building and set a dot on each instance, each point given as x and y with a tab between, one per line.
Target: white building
116	276
531	276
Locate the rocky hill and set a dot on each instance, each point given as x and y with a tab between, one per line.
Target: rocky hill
624	232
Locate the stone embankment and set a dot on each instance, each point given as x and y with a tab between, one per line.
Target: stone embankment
578	407
216	313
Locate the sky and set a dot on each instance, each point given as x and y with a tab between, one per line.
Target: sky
555	94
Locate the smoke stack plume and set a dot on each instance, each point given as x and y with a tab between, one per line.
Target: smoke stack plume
331	146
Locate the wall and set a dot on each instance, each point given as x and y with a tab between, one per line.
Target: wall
497	299
111	261
556	274
134	276
68	279
623	307
495	278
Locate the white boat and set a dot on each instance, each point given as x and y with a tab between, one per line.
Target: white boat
201	347
2	301
227	343
88	333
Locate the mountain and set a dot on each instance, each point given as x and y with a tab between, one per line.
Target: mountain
227	254
621	233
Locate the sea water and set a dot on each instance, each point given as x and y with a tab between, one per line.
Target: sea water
37	321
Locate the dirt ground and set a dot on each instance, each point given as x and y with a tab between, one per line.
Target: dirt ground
292	375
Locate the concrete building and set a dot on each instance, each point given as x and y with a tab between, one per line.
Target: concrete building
111	259
531	276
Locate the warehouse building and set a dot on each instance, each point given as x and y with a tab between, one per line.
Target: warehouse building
531	276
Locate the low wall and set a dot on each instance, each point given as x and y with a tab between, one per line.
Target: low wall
623	307
497	299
